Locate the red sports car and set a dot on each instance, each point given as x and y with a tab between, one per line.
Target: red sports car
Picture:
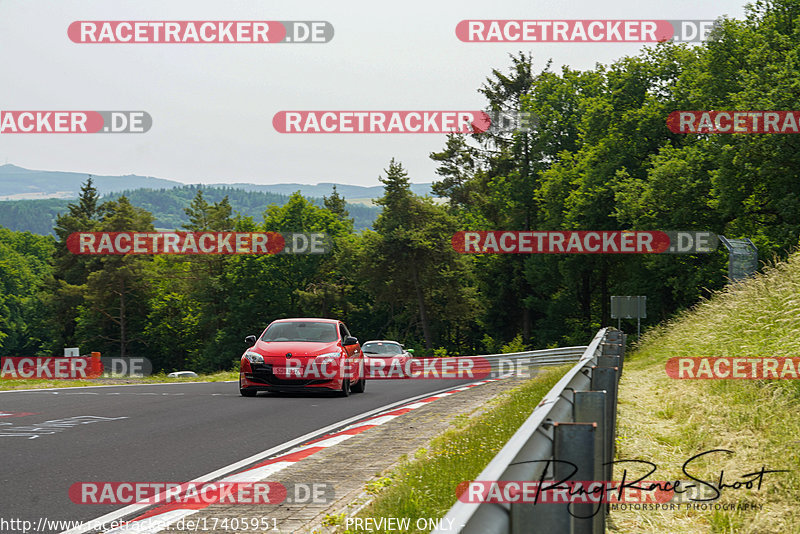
301	354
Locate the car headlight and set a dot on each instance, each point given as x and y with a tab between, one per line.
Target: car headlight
253	357
330	357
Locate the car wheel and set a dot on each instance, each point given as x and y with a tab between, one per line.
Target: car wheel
246	392
345	391
361	385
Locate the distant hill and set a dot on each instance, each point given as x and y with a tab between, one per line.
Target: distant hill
325	188
30	200
17	183
38	216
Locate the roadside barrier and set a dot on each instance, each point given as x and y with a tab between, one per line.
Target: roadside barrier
575	423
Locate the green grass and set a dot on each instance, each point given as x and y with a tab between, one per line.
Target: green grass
158	378
667	421
424	487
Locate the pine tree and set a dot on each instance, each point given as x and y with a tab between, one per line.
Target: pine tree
116	294
336	204
410	259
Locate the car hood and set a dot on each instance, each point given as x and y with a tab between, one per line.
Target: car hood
297	348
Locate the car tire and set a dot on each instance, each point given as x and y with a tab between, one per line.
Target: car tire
345	391
361	385
246	392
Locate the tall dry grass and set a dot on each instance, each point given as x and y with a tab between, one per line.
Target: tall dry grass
668	421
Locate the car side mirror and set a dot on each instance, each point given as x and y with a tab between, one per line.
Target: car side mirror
250	339
350	340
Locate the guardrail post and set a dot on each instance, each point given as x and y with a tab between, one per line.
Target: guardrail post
605	379
590	407
614	334
574	460
608	361
624	344
575	443
614	346
546	517
529	455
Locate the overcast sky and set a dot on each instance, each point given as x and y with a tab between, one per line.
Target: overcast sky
212	104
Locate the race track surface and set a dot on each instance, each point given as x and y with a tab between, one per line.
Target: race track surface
159	433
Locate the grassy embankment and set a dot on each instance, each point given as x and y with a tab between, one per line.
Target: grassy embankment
668	421
662	420
424	487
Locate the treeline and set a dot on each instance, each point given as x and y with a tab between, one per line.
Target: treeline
601	158
402	280
36	216
167	205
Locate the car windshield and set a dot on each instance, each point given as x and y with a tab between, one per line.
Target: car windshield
301	331
386	349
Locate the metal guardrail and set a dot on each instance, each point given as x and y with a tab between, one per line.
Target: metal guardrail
494	365
504	365
541	357
574	422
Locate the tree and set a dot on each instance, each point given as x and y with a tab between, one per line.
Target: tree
24	268
66	287
188	304
116	301
336	205
80	217
260	288
411	264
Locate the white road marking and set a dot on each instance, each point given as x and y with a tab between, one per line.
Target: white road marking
54	392
133	508
52	426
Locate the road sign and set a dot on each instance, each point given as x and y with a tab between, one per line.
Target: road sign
742	257
629	308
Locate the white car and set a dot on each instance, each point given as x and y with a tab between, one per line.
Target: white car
182	374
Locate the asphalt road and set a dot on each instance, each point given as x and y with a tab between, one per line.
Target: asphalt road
159	433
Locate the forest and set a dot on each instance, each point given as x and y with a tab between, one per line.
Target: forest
601	158
166	205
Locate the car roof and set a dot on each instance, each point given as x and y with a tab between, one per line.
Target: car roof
382	341
317	319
